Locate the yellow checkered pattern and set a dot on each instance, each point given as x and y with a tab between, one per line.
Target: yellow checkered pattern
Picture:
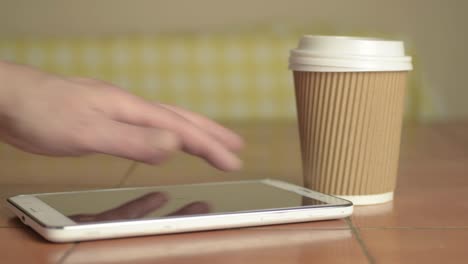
224	75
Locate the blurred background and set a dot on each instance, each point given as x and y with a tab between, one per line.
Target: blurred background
228	59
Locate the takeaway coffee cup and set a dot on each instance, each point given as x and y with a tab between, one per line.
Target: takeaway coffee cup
350	100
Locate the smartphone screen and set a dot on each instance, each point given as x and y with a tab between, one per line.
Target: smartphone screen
173	201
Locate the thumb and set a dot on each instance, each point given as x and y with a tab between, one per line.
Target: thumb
145	144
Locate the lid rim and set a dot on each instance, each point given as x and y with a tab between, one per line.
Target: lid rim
307	68
349	53
355	59
306	54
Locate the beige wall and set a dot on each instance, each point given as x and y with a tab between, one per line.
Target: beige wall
434	29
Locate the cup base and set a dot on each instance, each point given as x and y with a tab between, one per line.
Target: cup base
368	199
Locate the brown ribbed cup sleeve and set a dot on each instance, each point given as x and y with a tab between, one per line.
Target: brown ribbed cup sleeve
350	127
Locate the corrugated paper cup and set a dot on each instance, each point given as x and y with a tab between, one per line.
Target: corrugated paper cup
350	101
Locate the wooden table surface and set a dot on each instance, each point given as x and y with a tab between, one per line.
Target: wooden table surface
426	223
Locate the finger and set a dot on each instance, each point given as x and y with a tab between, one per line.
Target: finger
134	110
224	135
143	144
192	208
134	209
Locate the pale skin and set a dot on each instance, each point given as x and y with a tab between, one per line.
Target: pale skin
54	115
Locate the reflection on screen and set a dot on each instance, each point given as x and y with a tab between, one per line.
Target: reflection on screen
158	202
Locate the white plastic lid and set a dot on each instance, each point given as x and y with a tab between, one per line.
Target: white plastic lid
344	54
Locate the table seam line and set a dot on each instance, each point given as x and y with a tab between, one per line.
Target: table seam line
127	174
360	241
67	253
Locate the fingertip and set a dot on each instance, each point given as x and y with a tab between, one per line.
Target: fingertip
236	165
230	163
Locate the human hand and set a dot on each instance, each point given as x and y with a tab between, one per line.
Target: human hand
139	208
51	115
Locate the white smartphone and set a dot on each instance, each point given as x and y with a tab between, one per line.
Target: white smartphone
112	213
